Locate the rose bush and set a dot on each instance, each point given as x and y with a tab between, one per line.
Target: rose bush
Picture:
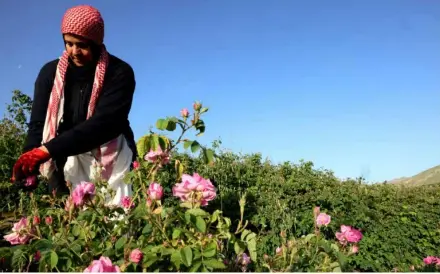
82	232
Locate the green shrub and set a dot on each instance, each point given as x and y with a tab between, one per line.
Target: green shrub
84	232
400	225
13	132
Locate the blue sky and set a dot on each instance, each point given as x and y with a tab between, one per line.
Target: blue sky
353	86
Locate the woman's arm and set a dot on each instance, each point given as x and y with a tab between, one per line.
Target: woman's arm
108	122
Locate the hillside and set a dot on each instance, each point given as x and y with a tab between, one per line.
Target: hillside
427	177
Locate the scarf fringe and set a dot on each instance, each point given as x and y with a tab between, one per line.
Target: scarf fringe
107	153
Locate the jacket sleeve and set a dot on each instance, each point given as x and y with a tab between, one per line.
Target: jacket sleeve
42	90
108	122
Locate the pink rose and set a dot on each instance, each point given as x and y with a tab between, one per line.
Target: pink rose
104	264
69	204
37	256
430	260
127	203
36	220
197	106
149	202
31	181
323	219
82	193
158	155
155	191
353	236
278	251
244	259
19	234
195	189
136	165
48	220
136	256
348	234
355	249
184	113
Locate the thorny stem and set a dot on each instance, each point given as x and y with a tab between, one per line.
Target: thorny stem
35	236
142	185
155	221
184	129
29	264
38	231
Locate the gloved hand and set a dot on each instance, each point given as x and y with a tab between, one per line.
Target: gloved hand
29	163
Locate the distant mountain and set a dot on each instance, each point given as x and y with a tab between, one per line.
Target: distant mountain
427	177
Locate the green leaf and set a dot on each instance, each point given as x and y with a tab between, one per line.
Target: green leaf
176	259
68	264
76	230
214	263
200	126
196	254
250	237
244	234
166	251
208	156
171	125
335	247
203	110
120	243
155	142
252	247
19	259
309	237
215	215
341	258
142	145
238	247
197	212
195	146
200	224
176	233
53	259
187	144
164	142
150	259
210	250
337	269
42	245
195	266
148	228
186	255
161	124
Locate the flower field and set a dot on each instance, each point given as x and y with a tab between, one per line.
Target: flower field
214	212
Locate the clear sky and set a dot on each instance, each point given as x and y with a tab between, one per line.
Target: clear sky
353	86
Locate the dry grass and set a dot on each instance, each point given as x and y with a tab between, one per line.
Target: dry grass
427	177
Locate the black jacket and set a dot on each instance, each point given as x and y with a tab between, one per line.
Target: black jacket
75	134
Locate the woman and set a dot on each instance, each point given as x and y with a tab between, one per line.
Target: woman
80	111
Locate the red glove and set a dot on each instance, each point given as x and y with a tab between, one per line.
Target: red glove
29	163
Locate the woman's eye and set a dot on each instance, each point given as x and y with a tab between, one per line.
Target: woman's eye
81	45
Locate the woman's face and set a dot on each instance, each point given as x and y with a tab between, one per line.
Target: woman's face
78	49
